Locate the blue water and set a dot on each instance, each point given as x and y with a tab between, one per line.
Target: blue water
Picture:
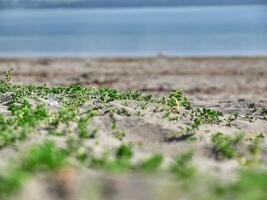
191	31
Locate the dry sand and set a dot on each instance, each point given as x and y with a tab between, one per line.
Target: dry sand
224	78
226	84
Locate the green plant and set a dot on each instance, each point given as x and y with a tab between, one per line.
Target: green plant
26	115
264	111
225	146
22	122
9	75
206	115
232	118
83	129
150	165
183	167
177	99
6	85
121	162
46	156
43	157
251	184
255	147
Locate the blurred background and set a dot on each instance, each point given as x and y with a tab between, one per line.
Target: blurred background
82	28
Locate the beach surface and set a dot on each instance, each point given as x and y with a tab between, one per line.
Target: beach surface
227	85
222	78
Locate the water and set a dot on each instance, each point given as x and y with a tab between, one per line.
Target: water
191	31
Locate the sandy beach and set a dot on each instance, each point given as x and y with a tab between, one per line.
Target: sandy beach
225	78
227	85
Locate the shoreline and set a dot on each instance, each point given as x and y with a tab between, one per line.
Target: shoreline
152	56
131	56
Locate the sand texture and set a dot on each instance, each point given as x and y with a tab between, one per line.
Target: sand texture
226	85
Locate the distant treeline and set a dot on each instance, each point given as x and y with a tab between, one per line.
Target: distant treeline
119	3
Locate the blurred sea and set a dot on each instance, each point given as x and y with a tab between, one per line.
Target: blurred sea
181	31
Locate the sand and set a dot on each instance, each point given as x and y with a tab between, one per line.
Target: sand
226	84
197	77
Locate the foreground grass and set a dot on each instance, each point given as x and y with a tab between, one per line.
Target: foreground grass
67	112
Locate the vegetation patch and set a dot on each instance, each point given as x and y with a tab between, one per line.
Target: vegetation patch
126	132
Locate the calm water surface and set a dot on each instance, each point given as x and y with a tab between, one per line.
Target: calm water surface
231	30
